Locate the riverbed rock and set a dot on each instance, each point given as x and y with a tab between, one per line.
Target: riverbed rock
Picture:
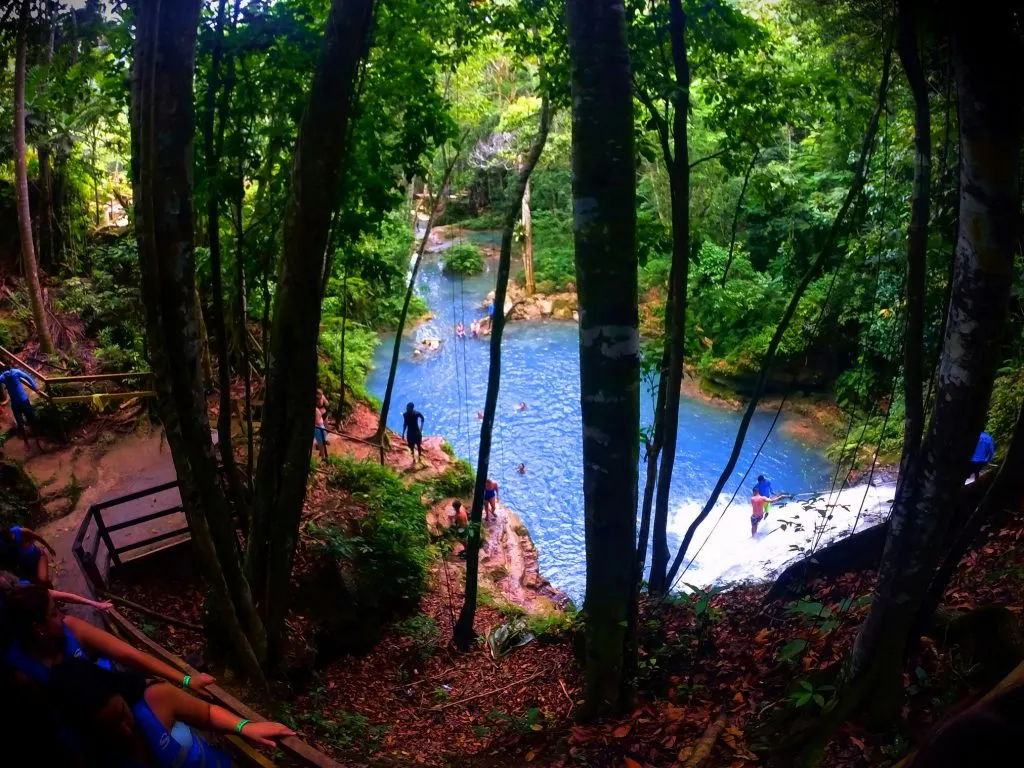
545	307
562	308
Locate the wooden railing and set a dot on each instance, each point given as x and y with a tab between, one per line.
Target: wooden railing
87	553
49	383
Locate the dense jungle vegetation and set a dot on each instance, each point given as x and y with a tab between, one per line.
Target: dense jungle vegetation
786	199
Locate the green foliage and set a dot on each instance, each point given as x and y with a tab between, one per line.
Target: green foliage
455	482
389	547
19	496
107	300
13	332
1005	406
424	633
554	259
463	259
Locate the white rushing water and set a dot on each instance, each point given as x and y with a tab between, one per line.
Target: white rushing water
728	554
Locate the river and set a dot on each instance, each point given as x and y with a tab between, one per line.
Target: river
540	367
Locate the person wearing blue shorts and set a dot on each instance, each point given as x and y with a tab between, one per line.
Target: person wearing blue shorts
320	433
24	414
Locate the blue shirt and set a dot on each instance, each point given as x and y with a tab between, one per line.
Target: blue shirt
490	309
11	379
764	487
985	449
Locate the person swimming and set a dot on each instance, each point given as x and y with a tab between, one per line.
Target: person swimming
521	407
460	330
522	469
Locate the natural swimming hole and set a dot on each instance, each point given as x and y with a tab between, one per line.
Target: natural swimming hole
540	367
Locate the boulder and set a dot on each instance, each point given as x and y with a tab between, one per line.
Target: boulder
545	306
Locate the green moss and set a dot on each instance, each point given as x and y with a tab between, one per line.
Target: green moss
13	333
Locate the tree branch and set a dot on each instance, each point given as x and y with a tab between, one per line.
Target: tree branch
712	156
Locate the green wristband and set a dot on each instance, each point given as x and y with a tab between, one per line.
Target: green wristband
241	725
185	682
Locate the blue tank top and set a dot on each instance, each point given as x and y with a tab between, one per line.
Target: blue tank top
179	747
37	671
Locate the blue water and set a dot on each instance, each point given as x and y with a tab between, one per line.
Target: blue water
540	366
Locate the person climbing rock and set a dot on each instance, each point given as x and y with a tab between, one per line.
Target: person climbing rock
491	499
983	453
412	431
24	413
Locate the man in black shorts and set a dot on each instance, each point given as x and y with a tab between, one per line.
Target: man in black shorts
412	431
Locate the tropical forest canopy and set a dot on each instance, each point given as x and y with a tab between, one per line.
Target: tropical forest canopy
773	198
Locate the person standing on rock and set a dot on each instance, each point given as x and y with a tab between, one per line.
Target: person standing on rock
412	431
491	498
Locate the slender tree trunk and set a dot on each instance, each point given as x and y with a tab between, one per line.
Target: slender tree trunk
824	256
736	214
204	341
653	451
675	310
344	329
604	212
28	252
385	407
213	142
985	51
162	136
463	633
242	306
287	428
531	284
917	245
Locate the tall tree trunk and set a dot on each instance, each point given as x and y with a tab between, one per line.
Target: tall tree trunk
28	252
344	329
985	51
823	257
675	310
531	284
917	243
463	633
162	136
287	428
213	144
385	406
604	212
242	308
206	380
47	224
736	214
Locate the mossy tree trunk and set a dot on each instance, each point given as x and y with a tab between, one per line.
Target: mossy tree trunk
286	435
163	125
604	212
984	50
463	634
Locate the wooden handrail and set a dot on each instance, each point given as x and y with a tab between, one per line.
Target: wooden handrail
99	377
22	364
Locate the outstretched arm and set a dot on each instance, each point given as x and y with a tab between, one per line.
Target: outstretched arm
422	420
71	597
103	643
191	711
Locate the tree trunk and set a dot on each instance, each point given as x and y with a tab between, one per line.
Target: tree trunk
213	144
344	329
675	310
162	136
28	253
385	406
917	244
984	51
463	633
531	284
736	214
773	346
206	380
604	212
242	307
287	428
47	223
1005	489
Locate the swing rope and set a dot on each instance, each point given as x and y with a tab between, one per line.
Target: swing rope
814	332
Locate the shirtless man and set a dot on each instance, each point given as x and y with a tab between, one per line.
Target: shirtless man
759	506
320	433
